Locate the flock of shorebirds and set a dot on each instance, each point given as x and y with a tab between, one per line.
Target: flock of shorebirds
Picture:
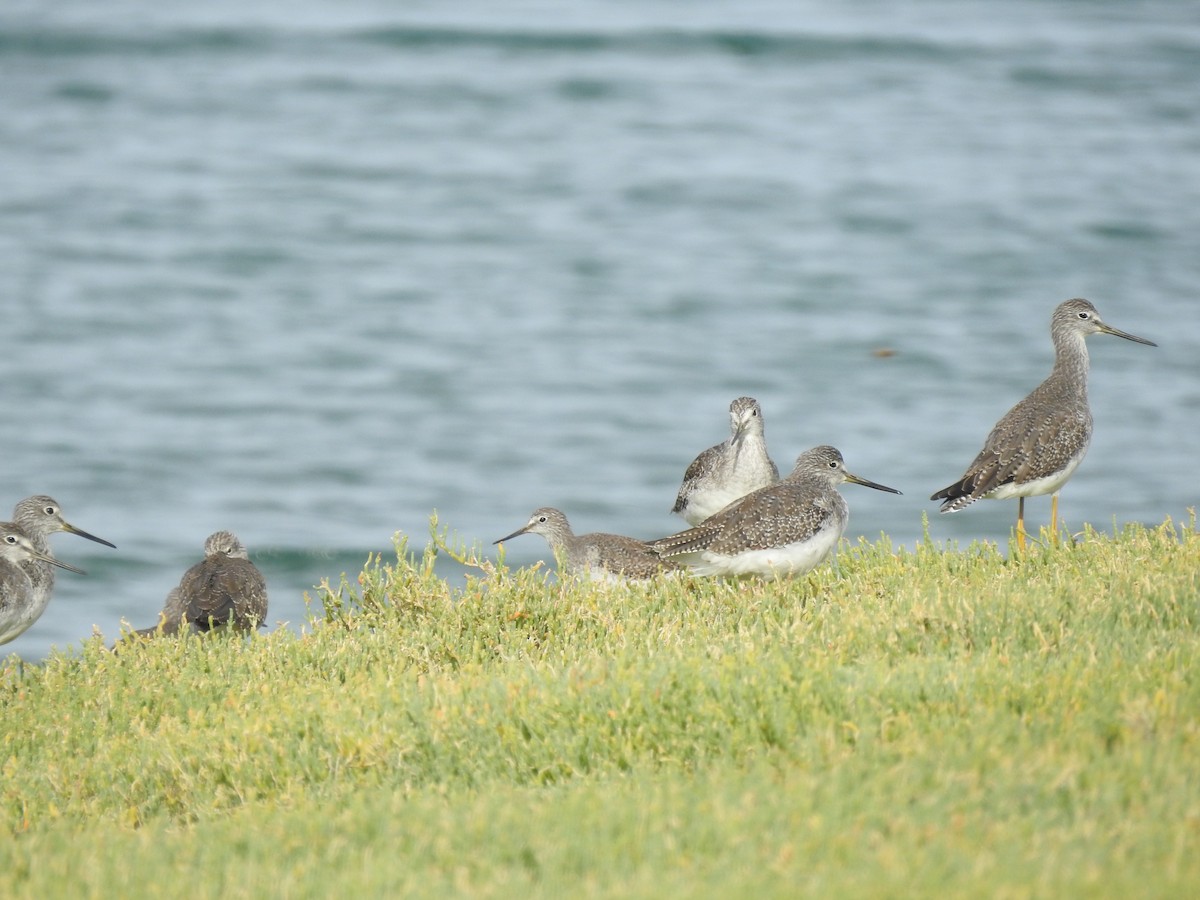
224	590
745	519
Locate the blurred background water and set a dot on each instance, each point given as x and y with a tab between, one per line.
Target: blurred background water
309	271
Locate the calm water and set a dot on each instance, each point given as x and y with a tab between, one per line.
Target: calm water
311	273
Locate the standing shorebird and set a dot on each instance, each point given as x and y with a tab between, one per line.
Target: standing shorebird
19	607
223	591
731	469
603	557
1041	441
785	529
39	517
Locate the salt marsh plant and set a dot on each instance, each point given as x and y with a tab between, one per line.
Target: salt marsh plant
922	720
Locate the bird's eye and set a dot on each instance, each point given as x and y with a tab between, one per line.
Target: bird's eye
541	518
10	538
49	510
833	464
754	412
1084	315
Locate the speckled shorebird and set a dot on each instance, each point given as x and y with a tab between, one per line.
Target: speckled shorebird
19	607
224	590
731	469
785	529
604	557
39	517
1041	441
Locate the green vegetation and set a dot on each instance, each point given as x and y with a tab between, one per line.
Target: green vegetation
920	722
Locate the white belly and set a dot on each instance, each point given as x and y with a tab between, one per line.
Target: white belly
706	504
1039	486
24	609
777	562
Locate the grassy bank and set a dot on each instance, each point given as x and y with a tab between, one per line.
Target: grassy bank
918	722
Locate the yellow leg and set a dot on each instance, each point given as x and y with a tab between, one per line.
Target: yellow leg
1021	524
1054	516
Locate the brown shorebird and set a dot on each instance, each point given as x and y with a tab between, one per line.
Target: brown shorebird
604	557
223	591
787	528
1041	441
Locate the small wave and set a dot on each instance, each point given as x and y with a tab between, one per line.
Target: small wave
748	44
1123	231
737	43
63	42
84	92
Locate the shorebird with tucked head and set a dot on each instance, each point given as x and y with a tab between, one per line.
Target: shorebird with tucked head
225	590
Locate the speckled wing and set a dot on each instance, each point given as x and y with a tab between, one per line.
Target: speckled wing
13	582
223	591
626	556
15	589
704	464
786	513
1032	441
173	608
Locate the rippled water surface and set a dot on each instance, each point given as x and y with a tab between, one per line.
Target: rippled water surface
309	272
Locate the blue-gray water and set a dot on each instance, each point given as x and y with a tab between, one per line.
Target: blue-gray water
310	271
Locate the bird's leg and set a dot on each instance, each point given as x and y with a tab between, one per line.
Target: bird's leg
1054	516
1021	524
